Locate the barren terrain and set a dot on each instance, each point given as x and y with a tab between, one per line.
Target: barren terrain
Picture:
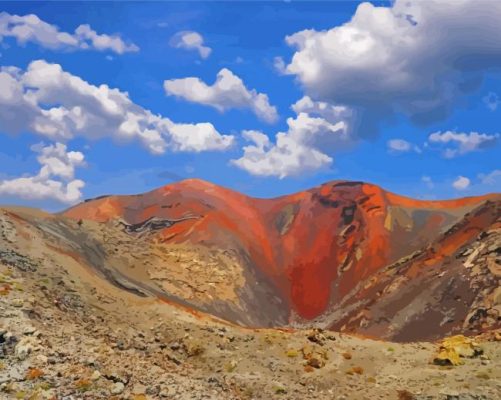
113	308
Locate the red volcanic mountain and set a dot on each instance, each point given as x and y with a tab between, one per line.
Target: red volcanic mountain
291	260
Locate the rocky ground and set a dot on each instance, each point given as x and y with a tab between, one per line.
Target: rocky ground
62	339
70	329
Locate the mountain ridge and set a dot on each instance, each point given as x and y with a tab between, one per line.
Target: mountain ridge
305	251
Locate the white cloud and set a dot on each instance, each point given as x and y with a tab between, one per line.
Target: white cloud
229	91
190	40
463	142
55	104
492	101
198	137
55	180
30	28
489	182
461	183
317	129
415	57
401	146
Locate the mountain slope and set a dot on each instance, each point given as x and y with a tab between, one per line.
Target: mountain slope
265	262
450	286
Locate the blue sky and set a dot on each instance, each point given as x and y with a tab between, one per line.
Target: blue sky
424	122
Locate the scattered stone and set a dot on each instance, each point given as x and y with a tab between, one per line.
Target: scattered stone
175	346
117	377
192	347
14	259
315	357
95	375
139	389
316	336
23	349
29	330
117	388
42	359
166	391
17	303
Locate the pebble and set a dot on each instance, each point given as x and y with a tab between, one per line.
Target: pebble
42	359
117	388
166	391
29	330
139	389
23	349
95	375
17	303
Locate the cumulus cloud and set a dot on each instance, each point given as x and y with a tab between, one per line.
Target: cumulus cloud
462	142
229	91
461	183
414	57
317	129
190	40
55	180
30	28
198	137
53	103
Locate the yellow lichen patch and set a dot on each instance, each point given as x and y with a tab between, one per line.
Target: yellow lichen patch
231	366
17	286
292	353
454	348
272	337
43	386
315	357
